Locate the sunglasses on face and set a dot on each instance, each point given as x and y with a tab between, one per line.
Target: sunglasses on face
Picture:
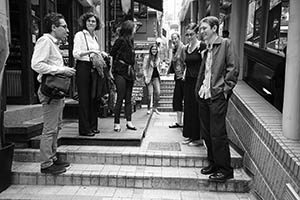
189	34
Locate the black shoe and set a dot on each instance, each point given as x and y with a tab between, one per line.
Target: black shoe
95	131
54	169
210	169
89	134
133	128
61	163
220	177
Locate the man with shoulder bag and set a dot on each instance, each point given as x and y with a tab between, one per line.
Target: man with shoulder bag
48	62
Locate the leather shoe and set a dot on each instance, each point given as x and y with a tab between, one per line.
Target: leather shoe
220	177
95	131
208	170
61	163
89	134
133	128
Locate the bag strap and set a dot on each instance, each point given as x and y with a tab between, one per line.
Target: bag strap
87	46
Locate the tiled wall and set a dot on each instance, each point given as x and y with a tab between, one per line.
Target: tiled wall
255	127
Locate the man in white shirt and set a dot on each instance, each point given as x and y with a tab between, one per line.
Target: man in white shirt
47	59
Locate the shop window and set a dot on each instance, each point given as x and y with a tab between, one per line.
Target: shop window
36	20
254	21
278	24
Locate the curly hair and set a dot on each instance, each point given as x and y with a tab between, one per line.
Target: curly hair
52	19
84	17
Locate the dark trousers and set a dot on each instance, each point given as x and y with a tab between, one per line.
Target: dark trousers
191	122
124	91
178	95
88	119
213	129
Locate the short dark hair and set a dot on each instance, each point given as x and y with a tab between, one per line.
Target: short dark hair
212	21
193	27
84	17
52	19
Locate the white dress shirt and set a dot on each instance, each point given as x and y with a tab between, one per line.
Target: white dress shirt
47	58
204	91
80	45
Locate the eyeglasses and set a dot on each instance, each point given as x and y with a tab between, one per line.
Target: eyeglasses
189	34
64	26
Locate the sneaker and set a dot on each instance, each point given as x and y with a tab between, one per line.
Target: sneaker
61	163
54	169
148	112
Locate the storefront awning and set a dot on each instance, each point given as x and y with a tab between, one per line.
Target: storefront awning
155	4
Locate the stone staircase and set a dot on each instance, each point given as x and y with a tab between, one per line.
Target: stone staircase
160	163
166	94
114	167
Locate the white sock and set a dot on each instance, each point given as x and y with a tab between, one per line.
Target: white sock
117	126
129	123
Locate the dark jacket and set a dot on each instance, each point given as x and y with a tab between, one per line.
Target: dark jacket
123	57
224	69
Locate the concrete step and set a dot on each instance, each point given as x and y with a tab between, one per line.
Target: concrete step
107	137
22	133
150	177
165	105
127	156
166	96
42	192
165	109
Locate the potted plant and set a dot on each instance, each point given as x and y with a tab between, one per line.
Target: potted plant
6	149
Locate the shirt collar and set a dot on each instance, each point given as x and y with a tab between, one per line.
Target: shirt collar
54	40
86	32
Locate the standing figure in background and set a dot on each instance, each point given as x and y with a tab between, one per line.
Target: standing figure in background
85	45
177	66
47	59
193	59
217	77
151	69
123	72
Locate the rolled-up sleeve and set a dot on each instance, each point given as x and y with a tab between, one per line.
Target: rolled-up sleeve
41	61
78	45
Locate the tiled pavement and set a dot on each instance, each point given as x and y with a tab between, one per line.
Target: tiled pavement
125	172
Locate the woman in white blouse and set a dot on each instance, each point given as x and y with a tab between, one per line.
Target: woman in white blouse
85	45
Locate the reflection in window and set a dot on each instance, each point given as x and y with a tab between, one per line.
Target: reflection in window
254	18
278	24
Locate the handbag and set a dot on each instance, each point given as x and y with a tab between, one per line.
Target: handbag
131	72
55	86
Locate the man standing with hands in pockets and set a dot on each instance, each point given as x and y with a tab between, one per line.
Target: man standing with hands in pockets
47	59
216	79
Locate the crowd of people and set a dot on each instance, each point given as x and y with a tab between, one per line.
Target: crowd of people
205	72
